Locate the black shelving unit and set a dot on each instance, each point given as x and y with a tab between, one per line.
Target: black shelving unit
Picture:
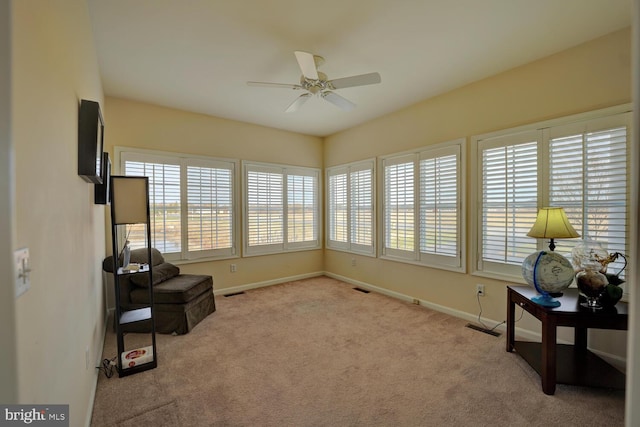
130	206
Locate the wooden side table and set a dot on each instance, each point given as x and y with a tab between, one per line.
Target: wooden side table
562	363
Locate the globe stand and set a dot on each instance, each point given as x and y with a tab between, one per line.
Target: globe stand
544	299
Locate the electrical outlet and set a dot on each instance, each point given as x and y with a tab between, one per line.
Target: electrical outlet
353	262
233	268
416	301
480	290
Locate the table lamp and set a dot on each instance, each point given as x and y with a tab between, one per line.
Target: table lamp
549	272
129	205
129	202
552	223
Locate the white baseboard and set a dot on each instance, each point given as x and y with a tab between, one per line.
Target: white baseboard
616	361
437	307
241	288
92	398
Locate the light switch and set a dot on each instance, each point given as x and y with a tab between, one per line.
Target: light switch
22	270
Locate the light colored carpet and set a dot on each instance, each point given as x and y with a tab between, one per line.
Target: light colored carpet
319	353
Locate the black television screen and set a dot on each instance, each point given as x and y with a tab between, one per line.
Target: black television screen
90	141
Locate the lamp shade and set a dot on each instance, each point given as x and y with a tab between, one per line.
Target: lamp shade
552	223
129	199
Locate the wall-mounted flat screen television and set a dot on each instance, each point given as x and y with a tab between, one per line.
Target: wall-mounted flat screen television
90	141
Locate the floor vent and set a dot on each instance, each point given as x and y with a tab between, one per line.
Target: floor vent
485	330
364	291
234	294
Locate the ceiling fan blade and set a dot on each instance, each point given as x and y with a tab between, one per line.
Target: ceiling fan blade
297	103
278	85
307	64
360	80
338	101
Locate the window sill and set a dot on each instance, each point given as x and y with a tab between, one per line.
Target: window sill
424	264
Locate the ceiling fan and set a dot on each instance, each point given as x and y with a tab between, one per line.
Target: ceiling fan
313	82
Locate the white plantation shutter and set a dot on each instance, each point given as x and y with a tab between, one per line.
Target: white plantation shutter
509	199
282	208
192	204
302	208
399	208
210	209
588	178
423	206
265	208
361	207
164	202
338	215
350	207
440	205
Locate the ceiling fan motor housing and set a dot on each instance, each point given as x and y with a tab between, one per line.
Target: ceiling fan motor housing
315	86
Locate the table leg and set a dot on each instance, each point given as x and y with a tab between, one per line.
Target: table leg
580	338
548	355
511	311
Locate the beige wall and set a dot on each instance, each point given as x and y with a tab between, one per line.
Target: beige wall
134	124
588	77
54	65
9	383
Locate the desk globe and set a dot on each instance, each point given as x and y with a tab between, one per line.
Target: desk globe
548	272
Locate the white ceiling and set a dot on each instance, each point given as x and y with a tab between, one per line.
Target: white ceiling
197	55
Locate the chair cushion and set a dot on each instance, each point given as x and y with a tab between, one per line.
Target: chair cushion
139	256
161	273
177	290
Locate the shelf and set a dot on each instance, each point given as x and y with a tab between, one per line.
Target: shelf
137	315
574	366
130	205
138	368
142	268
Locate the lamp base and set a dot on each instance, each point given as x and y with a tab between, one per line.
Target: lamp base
546	300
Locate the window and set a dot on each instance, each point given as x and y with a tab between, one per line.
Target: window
578	165
281	208
350	207
422	206
192	204
509	199
588	178
399	208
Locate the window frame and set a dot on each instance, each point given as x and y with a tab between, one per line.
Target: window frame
348	169
512	273
123	154
457	147
285	246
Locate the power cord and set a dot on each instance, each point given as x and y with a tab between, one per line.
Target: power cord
107	366
480	315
